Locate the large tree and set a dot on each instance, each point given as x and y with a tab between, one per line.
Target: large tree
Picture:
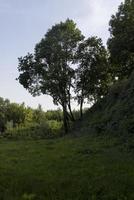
121	42
49	70
92	74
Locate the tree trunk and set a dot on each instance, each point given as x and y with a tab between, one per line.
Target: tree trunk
81	104
65	119
69	105
81	108
70	110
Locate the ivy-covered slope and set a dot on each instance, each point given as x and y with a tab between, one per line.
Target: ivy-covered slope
113	114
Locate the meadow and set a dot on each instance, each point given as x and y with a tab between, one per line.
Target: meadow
69	168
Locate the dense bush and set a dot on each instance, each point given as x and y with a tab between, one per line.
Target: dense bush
17	120
54	115
47	129
114	114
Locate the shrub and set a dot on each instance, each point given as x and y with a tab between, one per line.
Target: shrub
46	129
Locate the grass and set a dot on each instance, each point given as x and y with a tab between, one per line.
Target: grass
82	168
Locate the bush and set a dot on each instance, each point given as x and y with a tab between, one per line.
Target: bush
56	115
47	129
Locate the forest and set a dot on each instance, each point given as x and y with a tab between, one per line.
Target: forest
68	154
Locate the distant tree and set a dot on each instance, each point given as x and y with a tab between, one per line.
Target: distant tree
92	75
121	42
48	70
54	115
2	122
15	113
38	114
3	113
29	116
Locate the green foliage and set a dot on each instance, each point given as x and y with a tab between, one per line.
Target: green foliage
92	74
3	111
28	196
45	129
97	166
11	114
54	115
49	71
127	126
114	113
19	121
121	43
15	113
2	122
38	115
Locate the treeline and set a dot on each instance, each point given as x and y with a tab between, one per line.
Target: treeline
18	119
66	65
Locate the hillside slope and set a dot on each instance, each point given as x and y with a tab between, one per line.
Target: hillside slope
113	114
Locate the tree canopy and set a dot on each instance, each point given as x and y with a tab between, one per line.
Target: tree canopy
92	73
48	70
63	62
121	42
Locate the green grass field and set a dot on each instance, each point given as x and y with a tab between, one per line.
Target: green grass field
82	168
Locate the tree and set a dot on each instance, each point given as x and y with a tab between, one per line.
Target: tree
92	75
15	113
48	70
121	42
38	115
2	115
56	115
4	103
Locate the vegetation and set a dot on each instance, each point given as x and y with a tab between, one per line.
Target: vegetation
121	42
19	121
49	70
89	167
96	160
92	74
115	113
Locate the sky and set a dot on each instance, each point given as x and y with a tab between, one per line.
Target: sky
24	22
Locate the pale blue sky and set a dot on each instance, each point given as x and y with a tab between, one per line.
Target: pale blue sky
24	22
